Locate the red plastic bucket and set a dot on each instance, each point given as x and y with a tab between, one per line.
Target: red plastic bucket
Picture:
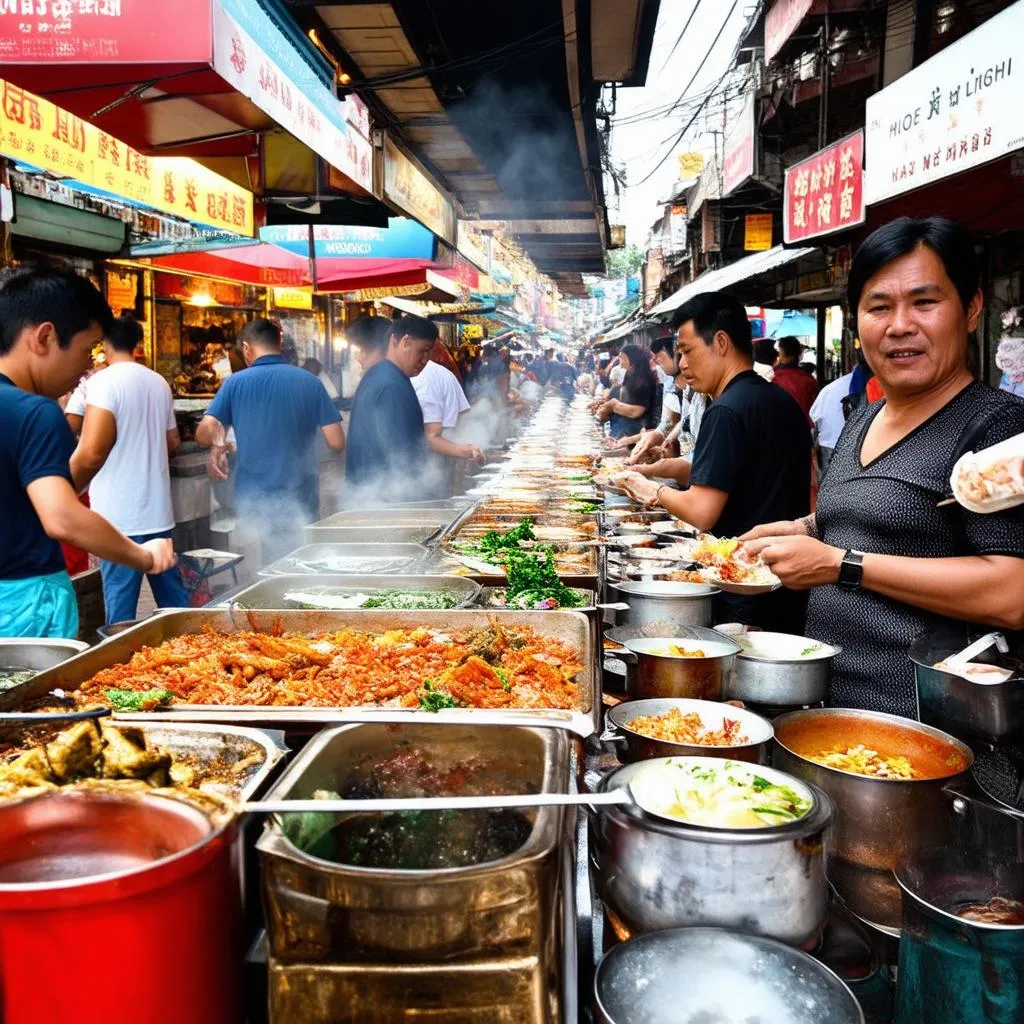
117	910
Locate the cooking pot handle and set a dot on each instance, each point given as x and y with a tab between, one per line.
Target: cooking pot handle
611	735
965	792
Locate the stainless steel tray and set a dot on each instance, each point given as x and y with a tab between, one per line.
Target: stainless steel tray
37	652
373	533
405	516
570	627
269	593
303	561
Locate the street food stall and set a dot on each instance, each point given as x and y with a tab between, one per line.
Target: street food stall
513	788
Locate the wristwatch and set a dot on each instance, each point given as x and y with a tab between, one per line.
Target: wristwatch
851	570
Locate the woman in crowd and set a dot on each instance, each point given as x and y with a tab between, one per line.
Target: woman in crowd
629	410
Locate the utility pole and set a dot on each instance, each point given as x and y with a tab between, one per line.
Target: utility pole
826	78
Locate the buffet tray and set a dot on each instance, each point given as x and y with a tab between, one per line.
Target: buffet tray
301	562
571	627
373	533
269	593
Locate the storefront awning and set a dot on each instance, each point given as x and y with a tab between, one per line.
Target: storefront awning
725	277
437	310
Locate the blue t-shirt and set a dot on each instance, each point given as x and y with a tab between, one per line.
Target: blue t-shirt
277	411
35	442
385	435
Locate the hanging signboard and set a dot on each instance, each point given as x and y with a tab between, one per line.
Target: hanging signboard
677	228
34	131
739	148
293	298
955	111
305	108
401	239
92	31
411	190
781	21
825	192
757	232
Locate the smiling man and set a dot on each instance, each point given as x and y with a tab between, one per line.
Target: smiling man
753	452
887	558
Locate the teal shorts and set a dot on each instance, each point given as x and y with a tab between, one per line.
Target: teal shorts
39	606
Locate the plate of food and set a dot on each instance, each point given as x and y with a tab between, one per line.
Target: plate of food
724	563
674	528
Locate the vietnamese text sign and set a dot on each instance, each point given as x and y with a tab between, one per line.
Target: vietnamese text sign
36	132
781	22
677	229
245	65
101	31
739	148
757	232
401	239
961	108
825	192
411	190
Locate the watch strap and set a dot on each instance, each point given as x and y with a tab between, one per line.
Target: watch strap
851	569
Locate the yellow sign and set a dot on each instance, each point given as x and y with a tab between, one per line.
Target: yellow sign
757	234
690	165
36	132
411	190
293	298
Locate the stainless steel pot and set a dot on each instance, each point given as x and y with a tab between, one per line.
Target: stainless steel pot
879	821
710	974
655	675
770	670
989	712
635	746
687	604
769	881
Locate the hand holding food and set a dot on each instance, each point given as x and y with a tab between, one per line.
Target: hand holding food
638	486
993	479
782	528
801	562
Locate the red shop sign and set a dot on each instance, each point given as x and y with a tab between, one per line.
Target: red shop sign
825	192
105	31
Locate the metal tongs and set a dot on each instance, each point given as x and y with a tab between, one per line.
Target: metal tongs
38	717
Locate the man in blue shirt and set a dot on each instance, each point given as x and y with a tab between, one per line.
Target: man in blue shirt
50	320
387	448
277	411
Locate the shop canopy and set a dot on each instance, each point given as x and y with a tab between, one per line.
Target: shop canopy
728	276
199	78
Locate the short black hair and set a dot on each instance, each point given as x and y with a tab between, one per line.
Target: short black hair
45	293
370	333
663	345
712	312
950	241
125	334
262	333
764	350
417	327
790	347
313	365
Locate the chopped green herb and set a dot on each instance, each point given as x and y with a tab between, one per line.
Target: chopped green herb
760	783
810	650
503	676
436	700
138	700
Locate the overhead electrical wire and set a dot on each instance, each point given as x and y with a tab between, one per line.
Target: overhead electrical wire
679	38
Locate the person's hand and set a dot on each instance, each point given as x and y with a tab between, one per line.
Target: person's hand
783	528
162	554
217	464
639	487
641	447
801	562
471	452
647	469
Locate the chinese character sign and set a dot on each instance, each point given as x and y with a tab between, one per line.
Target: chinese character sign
781	22
34	131
825	192
740	148
957	110
97	31
757	232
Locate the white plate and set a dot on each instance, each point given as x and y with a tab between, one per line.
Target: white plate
674	527
710	574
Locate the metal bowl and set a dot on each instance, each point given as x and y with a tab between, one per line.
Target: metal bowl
696	975
770	670
688	604
635	746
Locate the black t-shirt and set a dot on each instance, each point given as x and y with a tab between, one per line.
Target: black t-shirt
35	442
386	446
890	506
755	444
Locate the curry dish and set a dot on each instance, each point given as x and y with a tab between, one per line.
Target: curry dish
412	668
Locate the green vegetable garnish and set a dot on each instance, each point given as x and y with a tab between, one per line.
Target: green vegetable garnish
532	575
138	700
493	542
810	650
503	676
760	783
436	700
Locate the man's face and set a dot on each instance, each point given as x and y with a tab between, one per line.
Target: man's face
410	354
364	357
666	360
700	364
912	325
57	370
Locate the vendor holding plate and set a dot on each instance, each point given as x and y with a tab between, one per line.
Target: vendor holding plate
884	560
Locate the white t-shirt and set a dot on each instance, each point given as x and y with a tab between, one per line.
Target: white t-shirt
329	385
617	375
441	396
827	410
133	489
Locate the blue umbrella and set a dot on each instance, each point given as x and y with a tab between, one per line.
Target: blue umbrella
791	322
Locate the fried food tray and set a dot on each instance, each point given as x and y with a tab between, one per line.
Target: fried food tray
566	626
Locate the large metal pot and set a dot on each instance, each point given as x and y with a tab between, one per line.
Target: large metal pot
879	821
772	669
710	974
635	746
687	604
656	874
89	882
655	675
